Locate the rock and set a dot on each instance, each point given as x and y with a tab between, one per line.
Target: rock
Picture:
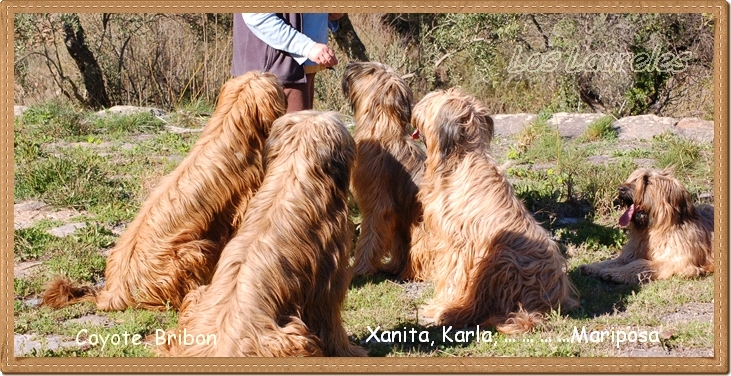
573	125
66	230
599	159
91	320
701	312
18	110
178	130
25	343
644	162
127	110
568	221
644	126
33	303
511	124
23	269
119	228
28	212
695	128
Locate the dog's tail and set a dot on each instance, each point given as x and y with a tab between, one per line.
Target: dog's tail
61	292
520	321
523	287
291	339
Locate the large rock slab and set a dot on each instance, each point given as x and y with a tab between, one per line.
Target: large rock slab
26	213
510	124
127	110
18	110
24	344
695	128
22	269
573	125
66	230
644	127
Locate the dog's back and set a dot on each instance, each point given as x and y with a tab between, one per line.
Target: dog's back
493	263
174	242
281	281
388	167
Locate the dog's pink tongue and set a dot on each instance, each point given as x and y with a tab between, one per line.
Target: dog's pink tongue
627	216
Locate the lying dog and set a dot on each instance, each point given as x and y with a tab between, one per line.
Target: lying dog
667	234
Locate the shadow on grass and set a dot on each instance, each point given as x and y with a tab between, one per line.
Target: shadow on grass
590	235
360	281
599	297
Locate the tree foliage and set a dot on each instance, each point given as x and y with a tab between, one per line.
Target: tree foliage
623	64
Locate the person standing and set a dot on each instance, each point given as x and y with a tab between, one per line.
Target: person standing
292	46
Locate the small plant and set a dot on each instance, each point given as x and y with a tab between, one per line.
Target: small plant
30	243
682	154
54	120
115	124
598	184
601	129
538	142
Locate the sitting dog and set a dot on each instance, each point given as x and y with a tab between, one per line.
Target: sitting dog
493	263
173	244
387	170
281	281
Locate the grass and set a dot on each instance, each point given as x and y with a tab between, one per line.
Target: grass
104	167
601	129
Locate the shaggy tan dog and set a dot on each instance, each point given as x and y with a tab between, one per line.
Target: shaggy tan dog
388	167
281	281
493	263
668	235
173	244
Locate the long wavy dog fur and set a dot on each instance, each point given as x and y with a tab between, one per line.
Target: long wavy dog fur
493	263
281	281
388	167
667	234
173	244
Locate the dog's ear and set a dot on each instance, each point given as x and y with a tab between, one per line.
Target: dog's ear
678	198
489	128
397	98
451	130
641	184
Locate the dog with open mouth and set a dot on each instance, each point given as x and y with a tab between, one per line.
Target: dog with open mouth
667	234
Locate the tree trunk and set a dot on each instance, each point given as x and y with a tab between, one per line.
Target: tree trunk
74	39
347	40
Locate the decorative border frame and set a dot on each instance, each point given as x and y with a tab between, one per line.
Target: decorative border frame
718	364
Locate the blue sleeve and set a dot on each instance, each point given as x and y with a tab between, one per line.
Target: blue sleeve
276	33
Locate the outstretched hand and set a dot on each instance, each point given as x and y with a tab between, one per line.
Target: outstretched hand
323	55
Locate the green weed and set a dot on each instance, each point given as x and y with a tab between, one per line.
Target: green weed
601	129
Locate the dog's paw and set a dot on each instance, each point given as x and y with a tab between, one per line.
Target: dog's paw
615	276
590	270
428	315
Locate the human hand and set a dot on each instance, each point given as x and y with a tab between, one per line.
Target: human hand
334	16
323	55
